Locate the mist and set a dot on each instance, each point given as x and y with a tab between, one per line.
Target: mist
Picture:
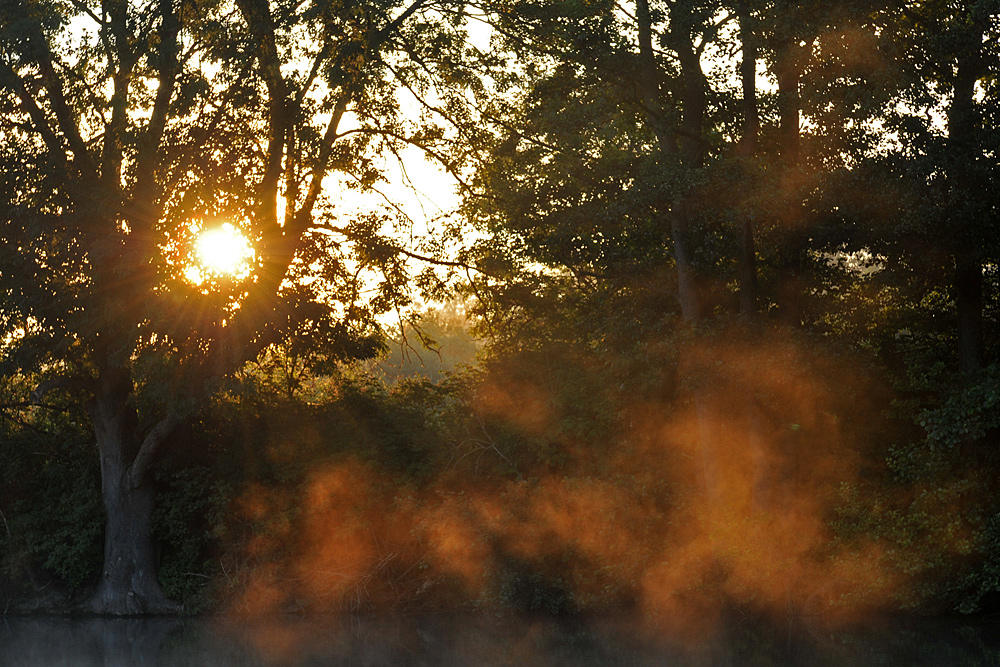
545	496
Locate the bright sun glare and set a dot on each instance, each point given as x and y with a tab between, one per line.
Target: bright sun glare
220	251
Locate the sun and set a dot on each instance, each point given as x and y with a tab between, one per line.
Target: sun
221	252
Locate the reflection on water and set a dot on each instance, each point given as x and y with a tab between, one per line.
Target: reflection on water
475	640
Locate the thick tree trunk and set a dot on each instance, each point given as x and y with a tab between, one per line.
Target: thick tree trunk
128	585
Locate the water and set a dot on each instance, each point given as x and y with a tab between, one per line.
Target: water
479	640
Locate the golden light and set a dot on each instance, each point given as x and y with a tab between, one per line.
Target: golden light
220	252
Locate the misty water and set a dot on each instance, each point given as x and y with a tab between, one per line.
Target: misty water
481	640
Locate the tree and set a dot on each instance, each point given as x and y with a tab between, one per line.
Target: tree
125	127
952	56
638	156
643	160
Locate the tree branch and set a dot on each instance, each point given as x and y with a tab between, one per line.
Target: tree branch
65	382
304	214
168	66
257	15
443	262
408	253
64	115
393	25
222	106
444	162
324	52
151	445
22	405
39	122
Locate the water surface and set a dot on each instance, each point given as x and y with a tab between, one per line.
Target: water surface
481	640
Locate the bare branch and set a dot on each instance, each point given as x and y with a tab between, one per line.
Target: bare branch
448	165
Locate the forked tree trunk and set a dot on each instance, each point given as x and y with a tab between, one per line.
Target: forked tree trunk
128	584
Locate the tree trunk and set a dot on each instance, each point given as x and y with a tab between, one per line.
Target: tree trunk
747	260
679	216
128	585
965	145
787	72
969	304
788	67
688	154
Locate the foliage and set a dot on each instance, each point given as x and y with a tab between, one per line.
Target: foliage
53	519
870	227
673	269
